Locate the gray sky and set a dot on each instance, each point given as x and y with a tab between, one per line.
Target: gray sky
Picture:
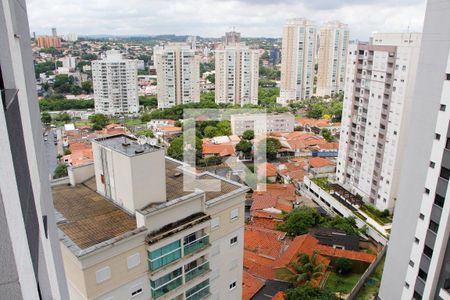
211	18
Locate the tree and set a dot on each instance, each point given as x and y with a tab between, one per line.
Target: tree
244	146
63	117
343	265
248	135
67	152
86	86
211	78
272	147
99	120
299	221
148	101
326	133
175	149
210	131
224	128
60	171
146	133
306	269
347	224
46	118
307	292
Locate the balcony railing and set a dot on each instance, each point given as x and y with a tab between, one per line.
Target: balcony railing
156	293
196	245
199	270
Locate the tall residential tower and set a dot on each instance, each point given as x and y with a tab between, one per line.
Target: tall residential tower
297	60
332	61
378	87
178	74
115	84
417	264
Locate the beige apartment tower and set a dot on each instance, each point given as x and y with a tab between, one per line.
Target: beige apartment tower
237	72
297	60
332	60
178	74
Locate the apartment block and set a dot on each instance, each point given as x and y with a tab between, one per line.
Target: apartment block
378	85
298	57
332	59
129	232
262	123
114	80
30	257
178	74
237	73
45	41
418	259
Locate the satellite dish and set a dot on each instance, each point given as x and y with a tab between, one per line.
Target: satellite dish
142	140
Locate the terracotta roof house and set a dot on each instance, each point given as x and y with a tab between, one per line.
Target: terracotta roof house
271	171
321	165
250	286
277	198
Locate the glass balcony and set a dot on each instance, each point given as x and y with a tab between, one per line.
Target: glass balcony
196	245
156	293
199	291
201	269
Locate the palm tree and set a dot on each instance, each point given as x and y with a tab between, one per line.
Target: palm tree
306	269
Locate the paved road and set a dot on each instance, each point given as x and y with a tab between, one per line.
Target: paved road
50	150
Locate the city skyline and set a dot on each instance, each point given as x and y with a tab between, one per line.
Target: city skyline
255	18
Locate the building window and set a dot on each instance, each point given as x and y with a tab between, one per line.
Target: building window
411	263
407	285
233	285
427	251
448	76
136	290
432	164
234	214
439	200
133	260
427	191
215	223
422	275
433	226
445	173
421	216
166	283
199	291
103	274
437	136
447	144
417	296
164	255
416	240
233	240
442	107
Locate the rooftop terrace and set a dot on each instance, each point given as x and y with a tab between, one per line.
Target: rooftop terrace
125	144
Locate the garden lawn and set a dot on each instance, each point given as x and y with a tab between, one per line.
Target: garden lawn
342	283
368	291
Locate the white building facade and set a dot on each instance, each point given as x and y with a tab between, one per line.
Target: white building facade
378	85
114	80
237	74
262	123
417	264
178	74
298	56
332	59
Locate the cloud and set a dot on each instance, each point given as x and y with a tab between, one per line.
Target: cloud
211	18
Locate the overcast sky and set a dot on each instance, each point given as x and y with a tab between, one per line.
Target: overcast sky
211	18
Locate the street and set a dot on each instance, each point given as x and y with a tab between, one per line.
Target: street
50	150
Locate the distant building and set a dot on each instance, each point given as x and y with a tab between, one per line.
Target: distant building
274	56
114	81
332	60
262	123
71	37
45	41
232	38
178	74
69	62
379	83
237	73
54	34
130	229
297	60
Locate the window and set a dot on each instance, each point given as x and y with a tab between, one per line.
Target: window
442	107
427	251
416	240
103	274
234	214
447	144
164	255
215	223
427	191
166	283
199	291
233	240
232	285
437	136
407	285
433	226
439	200
445	173
422	275
432	164
448	76
421	216
411	263
417	296
133	260
136	290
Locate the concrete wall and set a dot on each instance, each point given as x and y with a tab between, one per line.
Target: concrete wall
80	174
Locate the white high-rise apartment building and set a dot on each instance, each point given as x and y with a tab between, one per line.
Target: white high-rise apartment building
178	74
298	57
130	229
332	60
71	37
237	72
378	87
30	254
417	264
114	80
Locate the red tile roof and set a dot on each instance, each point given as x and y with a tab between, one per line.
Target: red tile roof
250	286
271	170
220	150
352	255
278	296
263	241
258	265
319	162
282	195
